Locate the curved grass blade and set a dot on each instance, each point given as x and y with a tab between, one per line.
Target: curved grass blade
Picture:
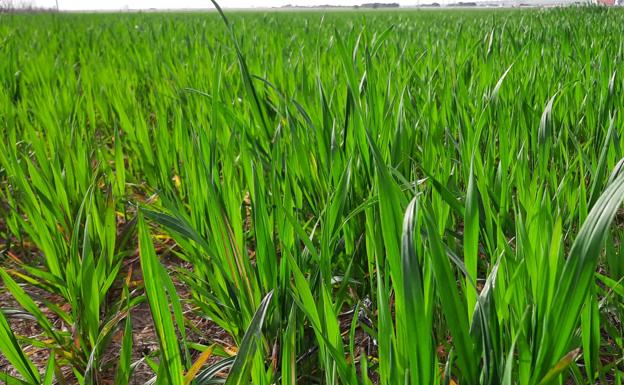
577	275
418	313
247	349
171	362
124	368
13	352
453	305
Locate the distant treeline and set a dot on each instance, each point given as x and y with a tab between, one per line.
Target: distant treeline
367	5
378	5
7	6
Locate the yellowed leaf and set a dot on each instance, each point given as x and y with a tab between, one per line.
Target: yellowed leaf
201	360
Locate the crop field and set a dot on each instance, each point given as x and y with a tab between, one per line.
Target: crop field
321	197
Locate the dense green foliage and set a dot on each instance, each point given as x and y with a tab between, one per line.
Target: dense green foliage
406	197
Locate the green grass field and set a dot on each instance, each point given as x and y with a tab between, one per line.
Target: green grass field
388	197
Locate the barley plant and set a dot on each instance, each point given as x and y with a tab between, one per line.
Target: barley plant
322	197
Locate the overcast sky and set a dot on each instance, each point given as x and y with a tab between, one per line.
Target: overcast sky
170	4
